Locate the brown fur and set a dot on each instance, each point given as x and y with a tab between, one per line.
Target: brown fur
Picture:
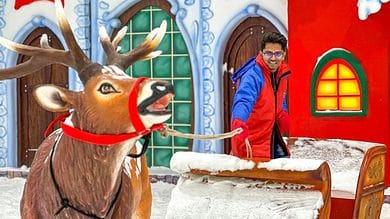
91	190
90	176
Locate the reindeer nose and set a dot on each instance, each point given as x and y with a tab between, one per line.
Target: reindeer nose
161	87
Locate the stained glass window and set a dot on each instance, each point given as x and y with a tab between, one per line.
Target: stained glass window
172	65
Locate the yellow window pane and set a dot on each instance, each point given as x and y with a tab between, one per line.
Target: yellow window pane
350	103
327	88
327	103
349	87
345	72
330	72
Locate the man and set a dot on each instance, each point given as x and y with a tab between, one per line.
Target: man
259	105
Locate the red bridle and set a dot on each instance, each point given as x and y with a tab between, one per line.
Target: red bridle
108	139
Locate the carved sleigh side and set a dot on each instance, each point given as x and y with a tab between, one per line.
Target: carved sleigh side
276	176
364	198
370	188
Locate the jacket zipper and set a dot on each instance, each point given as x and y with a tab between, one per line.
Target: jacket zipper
275	87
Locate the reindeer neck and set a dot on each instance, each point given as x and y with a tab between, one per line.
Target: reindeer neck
89	175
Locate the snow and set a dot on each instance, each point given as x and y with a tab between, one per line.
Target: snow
291	164
183	162
367	7
216	197
11	192
343	156
161	193
213	197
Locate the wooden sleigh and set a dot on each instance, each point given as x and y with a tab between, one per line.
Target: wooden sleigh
367	174
298	175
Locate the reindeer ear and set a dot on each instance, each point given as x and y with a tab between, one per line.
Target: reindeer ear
54	98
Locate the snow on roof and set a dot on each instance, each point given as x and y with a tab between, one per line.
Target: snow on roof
183	162
367	7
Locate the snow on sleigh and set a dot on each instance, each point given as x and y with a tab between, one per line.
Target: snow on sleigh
322	179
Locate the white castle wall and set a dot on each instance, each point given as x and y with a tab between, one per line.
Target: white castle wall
17	19
206	26
16	25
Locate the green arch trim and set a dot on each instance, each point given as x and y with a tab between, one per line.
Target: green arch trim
349	58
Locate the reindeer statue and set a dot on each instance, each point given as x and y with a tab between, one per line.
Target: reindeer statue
82	170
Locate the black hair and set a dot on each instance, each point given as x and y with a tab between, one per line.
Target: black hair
274	37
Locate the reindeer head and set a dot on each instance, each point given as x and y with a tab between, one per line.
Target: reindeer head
103	107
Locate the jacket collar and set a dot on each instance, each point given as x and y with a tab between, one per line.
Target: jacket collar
283	68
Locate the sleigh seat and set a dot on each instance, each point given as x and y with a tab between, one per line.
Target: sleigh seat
357	170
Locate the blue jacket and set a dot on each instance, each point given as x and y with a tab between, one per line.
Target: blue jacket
258	101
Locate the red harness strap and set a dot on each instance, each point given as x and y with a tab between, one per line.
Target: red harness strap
104	140
61	117
107	139
133	107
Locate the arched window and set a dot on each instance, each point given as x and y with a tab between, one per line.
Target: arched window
172	65
339	86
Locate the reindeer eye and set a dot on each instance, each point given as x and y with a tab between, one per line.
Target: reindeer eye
107	88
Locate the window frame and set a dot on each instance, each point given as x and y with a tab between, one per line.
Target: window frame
154	149
360	74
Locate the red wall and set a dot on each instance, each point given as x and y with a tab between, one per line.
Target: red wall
313	30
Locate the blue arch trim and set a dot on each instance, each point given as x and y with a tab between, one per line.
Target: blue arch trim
11	60
101	16
191	42
4	85
209	108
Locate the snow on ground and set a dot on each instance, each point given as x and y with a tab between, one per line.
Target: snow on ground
10	194
344	158
161	193
11	191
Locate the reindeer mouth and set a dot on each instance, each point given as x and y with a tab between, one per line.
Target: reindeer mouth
158	102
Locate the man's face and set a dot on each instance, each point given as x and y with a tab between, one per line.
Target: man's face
273	55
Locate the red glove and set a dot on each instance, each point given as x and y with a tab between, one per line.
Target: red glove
284	122
238	147
238	123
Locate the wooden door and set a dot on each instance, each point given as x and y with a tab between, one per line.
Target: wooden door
243	44
33	119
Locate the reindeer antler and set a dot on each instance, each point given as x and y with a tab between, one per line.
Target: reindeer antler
75	57
80	59
46	55
143	52
40	57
